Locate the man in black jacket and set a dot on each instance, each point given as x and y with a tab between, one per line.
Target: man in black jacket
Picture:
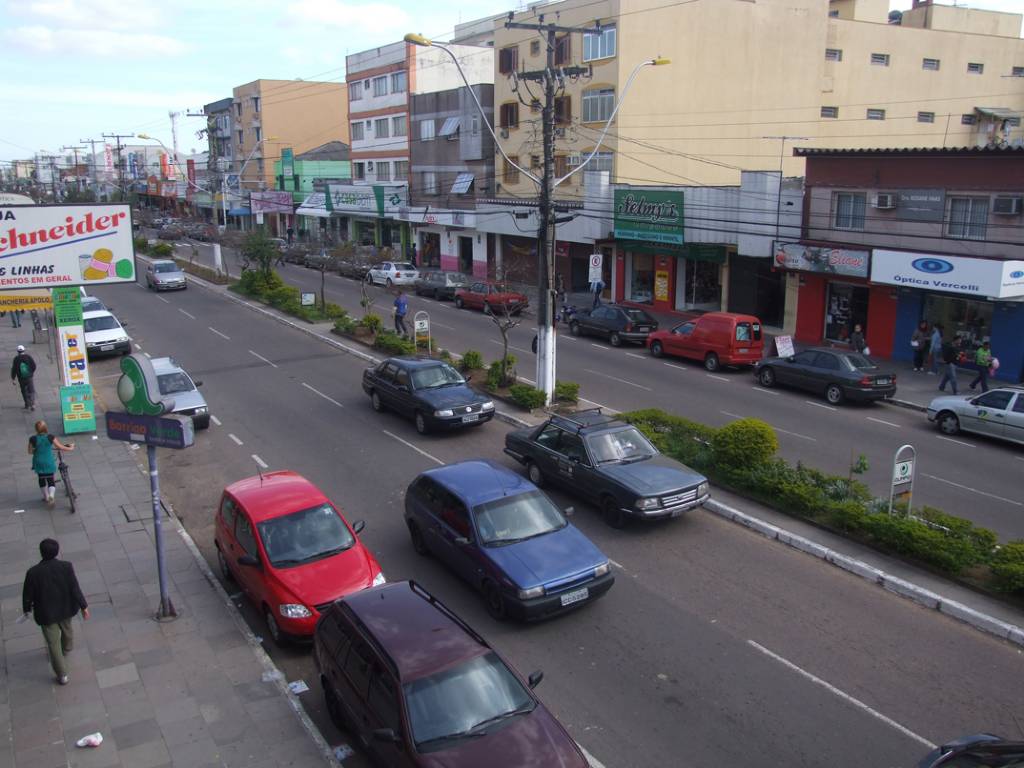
52	593
22	370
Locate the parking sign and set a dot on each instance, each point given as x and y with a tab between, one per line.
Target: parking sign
596	262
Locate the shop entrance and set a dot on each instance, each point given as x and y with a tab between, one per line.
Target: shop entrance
466	255
965	319
698	285
430	250
845	306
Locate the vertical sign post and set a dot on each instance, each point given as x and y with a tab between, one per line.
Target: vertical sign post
421	329
76	402
902	476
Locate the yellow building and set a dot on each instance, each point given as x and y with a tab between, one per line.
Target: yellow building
272	114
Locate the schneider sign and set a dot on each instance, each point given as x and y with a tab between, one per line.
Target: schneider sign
646	214
62	245
953	274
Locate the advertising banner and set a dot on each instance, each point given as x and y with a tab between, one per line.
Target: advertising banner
993	278
165	165
153	186
376	200
25	300
108	162
63	245
815	258
287	162
67	316
77	409
271	202
159	431
652	215
921	204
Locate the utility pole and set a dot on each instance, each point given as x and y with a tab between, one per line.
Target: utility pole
778	199
120	163
78	178
95	176
551	76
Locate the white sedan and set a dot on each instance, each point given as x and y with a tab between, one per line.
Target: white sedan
998	413
391	273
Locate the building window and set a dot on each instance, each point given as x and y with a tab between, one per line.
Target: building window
830	111
355	92
563	110
241	138
561	165
357	131
535	161
849	208
255	103
401	170
602	161
508	60
511	173
359	171
535	105
932	64
968	119
600	46
833	54
968	217
926	117
381	128
429	182
975	68
380	86
238	109
398	82
563	50
876	114
383	170
1017	72
258	134
880	59
833	14
426	130
1013	122
259	165
598	105
509	115
535	47
398	127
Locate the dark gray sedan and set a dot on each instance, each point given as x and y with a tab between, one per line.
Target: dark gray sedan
615	323
441	285
837	374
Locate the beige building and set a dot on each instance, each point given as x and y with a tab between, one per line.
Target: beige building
273	114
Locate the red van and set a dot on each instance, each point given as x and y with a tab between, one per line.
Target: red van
716	338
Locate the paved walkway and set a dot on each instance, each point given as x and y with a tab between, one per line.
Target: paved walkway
196	691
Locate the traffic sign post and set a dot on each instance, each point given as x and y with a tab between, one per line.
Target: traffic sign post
902	486
596	266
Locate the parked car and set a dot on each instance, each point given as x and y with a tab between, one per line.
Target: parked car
104	334
980	749
608	463
201	231
165	275
490	297
996	413
290	550
615	323
354	267
835	373
716	339
170	232
431	392
172	380
318	260
417	686
506	538
92	303
441	285
392	273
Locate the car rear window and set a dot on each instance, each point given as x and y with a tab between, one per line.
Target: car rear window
637	316
748	331
166	268
101	323
860	362
406	266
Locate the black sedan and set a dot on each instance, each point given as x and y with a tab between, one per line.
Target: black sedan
431	392
835	373
978	749
609	463
615	323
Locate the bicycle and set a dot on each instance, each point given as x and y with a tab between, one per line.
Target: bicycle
65	477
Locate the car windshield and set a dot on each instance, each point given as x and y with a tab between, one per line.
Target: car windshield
101	323
860	362
517	518
623	445
170	383
462	701
455	278
304	536
91	304
166	268
442	375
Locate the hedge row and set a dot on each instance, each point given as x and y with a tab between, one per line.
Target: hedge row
269	288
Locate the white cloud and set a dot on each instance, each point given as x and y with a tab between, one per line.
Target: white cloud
94	14
356	17
100	97
92	42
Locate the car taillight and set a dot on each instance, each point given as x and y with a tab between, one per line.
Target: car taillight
629	327
866	381
398	274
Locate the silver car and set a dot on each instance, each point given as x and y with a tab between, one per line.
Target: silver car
173	381
996	413
165	275
392	273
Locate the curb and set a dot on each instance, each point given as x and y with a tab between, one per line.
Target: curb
980	621
907	404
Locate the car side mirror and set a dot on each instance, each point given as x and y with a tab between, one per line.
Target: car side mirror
249	560
198	383
462	541
358	526
569	511
535	678
402	387
468	377
387	735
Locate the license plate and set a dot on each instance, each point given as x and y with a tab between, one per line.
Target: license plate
644	328
576	596
883	381
106	347
471	418
745	350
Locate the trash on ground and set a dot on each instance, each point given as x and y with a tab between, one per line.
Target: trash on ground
271	675
342	751
92	740
298	686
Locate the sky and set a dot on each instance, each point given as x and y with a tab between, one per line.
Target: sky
75	69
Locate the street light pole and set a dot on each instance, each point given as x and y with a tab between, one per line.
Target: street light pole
778	198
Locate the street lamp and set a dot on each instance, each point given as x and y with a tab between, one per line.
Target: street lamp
546	184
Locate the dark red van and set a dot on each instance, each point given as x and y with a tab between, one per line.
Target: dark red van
716	339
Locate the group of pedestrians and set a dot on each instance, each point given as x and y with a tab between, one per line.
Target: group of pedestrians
932	347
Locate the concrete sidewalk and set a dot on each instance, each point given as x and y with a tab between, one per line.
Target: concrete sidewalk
195	691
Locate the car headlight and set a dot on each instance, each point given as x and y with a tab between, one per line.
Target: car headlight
444	412
200	411
529	594
652	503
602	569
121	339
703	488
379	579
294	611
488	406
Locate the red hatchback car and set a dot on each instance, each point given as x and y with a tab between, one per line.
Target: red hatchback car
490	297
290	550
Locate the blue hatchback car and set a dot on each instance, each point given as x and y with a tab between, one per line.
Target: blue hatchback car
504	536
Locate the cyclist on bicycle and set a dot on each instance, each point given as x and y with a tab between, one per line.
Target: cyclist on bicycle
41	446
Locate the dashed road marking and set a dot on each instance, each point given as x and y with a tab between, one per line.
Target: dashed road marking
820	405
186	314
261	357
616	378
215	420
883	421
235	439
764	391
528	381
510	346
958	442
733	415
638	357
567	337
599	346
165	301
720	378
415	448
973	490
147	354
618	565
316	391
261	462
794	434
222	335
138	347
606	408
674	365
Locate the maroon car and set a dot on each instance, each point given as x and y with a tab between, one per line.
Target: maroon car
416	686
491	297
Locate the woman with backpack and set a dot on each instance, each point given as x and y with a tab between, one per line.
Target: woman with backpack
23	368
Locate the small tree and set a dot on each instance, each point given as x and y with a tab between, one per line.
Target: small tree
506	317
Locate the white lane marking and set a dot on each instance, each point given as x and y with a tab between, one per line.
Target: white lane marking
316	391
567	337
882	421
260	461
441	325
418	450
599	346
236	440
138	347
215	420
720	378
820	405
603	407
261	357
973	490
591	760
222	335
186	314
673	365
638	357
734	415
165	301
764	391
958	442
510	346
842	695
616	378
618	565
1019	458
794	434
528	381
147	354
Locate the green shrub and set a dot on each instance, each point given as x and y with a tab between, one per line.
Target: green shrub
527	397
345	325
259	284
334	312
393	344
908	536
472	360
162	250
372	323
982	541
493	379
567	391
744	442
141	244
445	355
1008	566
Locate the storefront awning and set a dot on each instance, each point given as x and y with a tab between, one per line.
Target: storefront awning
239	212
999	113
321	213
694	251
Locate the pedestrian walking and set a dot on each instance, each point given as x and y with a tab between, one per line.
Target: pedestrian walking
51	593
41	446
982	361
919	343
16	317
950	357
23	371
560	287
291	234
401	308
857	341
935	349
596	287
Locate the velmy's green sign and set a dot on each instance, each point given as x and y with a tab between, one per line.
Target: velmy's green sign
652	215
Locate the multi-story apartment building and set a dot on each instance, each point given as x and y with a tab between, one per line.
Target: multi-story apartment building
219	133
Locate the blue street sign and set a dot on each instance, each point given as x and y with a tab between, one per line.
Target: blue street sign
158	431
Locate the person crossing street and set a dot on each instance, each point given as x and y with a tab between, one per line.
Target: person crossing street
401	309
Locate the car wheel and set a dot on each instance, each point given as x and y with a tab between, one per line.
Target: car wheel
369	278
488	309
334	710
458	302
656	349
766	377
535	475
418	544
437	296
615	340
421	423
948	423
272	628
612	513
389	283
222	564
495	602
834	394
574	328
378	406
711	362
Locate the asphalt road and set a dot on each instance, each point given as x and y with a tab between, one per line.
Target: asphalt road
715	646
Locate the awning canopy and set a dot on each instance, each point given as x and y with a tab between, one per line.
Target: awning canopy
462	183
239	212
451	125
321	213
999	113
693	251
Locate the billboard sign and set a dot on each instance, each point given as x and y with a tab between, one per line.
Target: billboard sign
287	162
921	204
77	409
271	202
376	200
67	316
43	246
108	162
25	300
816	258
995	278
159	431
654	216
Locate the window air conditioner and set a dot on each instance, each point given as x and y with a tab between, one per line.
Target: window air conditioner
884	201
1006	206
560	133
369	165
503	133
